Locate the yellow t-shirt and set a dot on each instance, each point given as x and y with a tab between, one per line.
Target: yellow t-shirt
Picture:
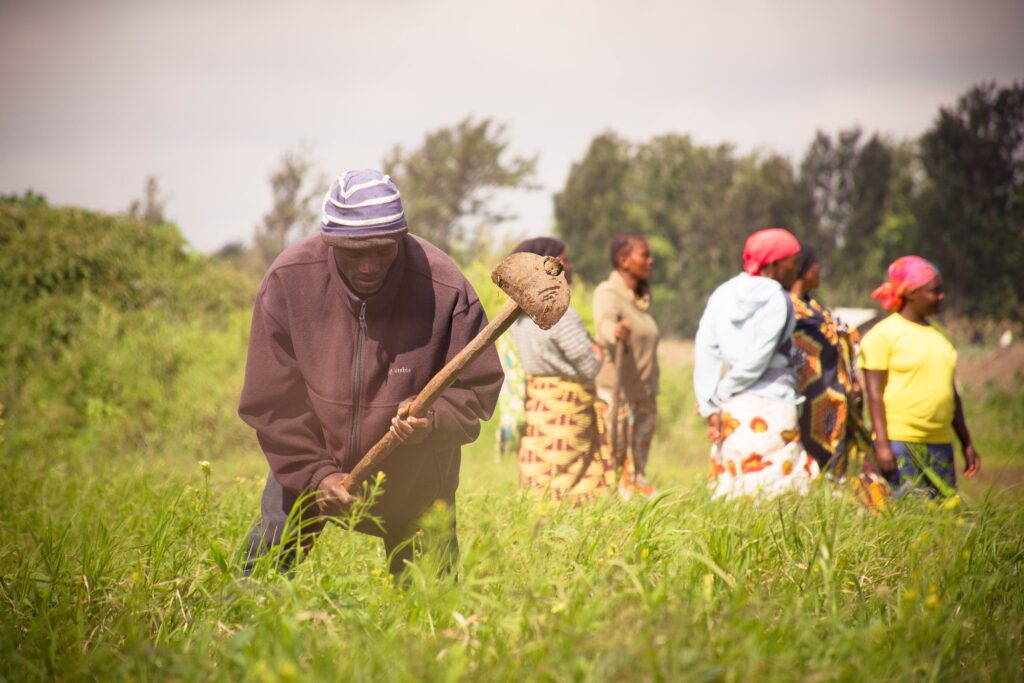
918	394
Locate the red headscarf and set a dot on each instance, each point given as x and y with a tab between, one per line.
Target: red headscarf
768	246
906	274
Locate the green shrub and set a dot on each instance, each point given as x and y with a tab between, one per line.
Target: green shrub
104	316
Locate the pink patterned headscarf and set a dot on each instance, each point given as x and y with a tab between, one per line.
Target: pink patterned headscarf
906	274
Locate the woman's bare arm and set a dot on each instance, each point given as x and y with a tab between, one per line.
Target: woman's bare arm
876	381
972	462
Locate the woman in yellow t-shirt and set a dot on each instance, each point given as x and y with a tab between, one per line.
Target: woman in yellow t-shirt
908	367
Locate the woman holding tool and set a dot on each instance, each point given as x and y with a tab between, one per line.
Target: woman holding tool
628	379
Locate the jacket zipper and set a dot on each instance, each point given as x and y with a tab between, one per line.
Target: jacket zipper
357	392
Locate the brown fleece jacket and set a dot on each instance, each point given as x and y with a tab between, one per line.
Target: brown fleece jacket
327	369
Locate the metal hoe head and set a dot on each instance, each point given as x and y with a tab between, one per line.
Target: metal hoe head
537	284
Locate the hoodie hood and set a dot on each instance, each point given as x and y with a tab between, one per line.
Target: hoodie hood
745	332
746	294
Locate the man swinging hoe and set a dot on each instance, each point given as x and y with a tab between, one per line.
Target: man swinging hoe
368	342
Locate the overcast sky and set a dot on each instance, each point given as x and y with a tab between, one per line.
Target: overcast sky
207	95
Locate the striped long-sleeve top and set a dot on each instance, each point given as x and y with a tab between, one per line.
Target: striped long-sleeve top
564	351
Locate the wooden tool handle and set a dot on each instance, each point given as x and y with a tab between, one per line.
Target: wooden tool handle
435	387
613	429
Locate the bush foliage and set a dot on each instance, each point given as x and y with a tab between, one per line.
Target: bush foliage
110	326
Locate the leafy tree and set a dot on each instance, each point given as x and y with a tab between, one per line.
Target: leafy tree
594	206
682	190
872	170
448	183
241	256
694	204
150	208
844	195
31	198
764	194
860	200
230	250
971	212
293	211
827	185
898	231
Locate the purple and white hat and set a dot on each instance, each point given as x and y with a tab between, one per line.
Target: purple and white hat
363	203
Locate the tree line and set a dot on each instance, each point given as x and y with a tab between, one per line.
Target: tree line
953	196
860	199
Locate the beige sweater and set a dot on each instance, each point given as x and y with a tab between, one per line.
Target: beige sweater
614	300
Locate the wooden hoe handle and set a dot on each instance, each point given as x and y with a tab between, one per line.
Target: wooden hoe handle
435	387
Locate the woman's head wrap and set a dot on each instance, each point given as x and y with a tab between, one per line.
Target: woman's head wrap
768	246
543	246
363	203
805	260
906	274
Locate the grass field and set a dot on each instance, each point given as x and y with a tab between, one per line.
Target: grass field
123	568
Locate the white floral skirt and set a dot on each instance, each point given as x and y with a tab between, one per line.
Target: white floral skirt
761	454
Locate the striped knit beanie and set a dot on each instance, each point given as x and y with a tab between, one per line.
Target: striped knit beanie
363	203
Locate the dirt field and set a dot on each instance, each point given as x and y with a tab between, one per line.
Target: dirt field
995	368
676	352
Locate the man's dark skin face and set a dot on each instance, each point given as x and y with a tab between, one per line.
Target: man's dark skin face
364	263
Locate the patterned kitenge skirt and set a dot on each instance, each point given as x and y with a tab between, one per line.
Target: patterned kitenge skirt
561	454
911	461
761	454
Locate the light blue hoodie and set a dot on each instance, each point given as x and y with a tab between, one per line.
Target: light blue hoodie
747	325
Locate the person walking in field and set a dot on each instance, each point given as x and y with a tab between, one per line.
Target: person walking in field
347	327
823	375
909	366
752	409
622	317
561	454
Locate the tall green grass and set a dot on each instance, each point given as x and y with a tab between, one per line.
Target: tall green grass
119	547
123	572
996	420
